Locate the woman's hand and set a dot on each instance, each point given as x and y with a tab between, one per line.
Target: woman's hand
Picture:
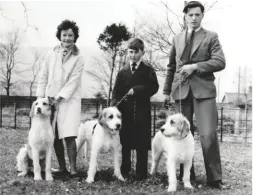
58	99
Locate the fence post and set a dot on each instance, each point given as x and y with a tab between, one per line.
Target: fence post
97	105
246	119
221	124
1	111
30	119
154	119
15	115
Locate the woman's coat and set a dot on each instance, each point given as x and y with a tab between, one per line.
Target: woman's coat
63	78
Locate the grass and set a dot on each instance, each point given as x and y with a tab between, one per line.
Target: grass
236	167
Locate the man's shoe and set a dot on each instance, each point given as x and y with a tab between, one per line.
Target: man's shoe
217	184
61	174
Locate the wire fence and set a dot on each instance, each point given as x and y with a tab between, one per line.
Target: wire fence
234	125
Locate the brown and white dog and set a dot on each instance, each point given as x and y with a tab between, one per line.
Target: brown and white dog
176	142
102	134
40	141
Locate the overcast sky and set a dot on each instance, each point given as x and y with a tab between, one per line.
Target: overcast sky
229	18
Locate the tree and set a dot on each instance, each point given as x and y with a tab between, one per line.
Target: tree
110	41
36	65
8	52
101	71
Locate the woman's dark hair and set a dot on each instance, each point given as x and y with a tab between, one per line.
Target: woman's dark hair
65	25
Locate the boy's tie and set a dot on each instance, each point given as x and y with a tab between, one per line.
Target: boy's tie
134	67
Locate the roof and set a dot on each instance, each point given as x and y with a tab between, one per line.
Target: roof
233	97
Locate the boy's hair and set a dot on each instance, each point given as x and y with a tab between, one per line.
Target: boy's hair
136	44
193	4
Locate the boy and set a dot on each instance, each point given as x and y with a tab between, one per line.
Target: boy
139	81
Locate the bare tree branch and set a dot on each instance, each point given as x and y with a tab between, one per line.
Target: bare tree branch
211	6
4	16
27	19
8	55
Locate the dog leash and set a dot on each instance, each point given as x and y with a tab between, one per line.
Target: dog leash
180	94
122	99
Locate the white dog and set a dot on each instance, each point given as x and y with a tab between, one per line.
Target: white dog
102	134
40	141
176	141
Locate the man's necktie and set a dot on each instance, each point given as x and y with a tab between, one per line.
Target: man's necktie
185	58
134	66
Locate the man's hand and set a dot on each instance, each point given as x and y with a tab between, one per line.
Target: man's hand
58	99
187	70
131	92
166	101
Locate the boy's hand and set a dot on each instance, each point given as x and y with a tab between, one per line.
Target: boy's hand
131	92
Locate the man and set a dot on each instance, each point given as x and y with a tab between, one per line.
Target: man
195	55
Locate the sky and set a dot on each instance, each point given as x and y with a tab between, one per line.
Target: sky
229	18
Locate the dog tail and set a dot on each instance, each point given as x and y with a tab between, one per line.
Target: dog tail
85	149
22	159
79	140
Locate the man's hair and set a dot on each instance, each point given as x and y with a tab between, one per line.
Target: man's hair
136	44
193	4
65	25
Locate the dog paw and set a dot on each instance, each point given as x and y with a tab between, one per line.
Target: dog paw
152	172
121	178
172	188
188	185
22	174
49	177
37	178
89	180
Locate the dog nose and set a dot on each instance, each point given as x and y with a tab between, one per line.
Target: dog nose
162	130
39	110
118	126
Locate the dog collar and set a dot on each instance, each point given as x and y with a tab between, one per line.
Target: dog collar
173	135
185	135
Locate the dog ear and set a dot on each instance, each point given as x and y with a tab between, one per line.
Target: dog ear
51	100
186	124
32	110
185	128
101	118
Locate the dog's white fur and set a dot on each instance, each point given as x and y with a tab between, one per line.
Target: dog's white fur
102	134
176	142
40	141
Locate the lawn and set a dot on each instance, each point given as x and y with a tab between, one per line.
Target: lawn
236	166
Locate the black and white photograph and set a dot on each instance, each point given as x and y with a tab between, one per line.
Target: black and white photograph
111	97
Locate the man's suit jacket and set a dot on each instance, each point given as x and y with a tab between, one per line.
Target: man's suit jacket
207	53
135	133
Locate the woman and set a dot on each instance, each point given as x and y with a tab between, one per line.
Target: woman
61	78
